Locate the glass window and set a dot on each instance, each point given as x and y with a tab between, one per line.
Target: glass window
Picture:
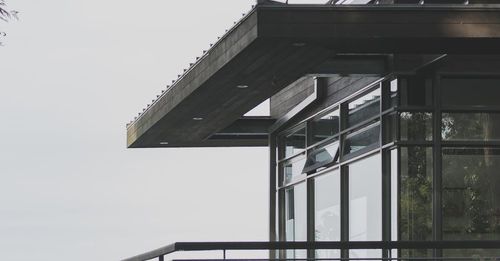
296	217
327	211
293	168
295	142
416	126
363	108
477	92
416	197
366	138
471	197
393	94
416	91
471	126
325	126
365	204
322	156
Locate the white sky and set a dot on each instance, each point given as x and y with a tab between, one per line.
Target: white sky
72	73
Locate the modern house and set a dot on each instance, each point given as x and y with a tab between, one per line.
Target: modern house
384	124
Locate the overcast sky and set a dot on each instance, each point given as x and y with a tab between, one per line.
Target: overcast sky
72	73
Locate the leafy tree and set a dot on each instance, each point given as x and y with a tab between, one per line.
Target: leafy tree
6	15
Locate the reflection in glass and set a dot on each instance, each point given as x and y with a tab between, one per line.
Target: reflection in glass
416	197
327	211
365	204
295	142
364	108
293	168
471	197
296	217
325	126
416	126
477	92
367	137
322	156
471	126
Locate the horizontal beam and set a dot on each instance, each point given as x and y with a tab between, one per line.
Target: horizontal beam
353	64
251	125
457	29
247	131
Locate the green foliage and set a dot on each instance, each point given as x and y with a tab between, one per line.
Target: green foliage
416	196
470	181
416	125
470	199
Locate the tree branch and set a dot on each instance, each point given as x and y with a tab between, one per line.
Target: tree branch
6	15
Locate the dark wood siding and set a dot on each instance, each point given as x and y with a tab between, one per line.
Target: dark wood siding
291	96
338	88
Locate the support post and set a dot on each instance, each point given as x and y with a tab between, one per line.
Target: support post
272	193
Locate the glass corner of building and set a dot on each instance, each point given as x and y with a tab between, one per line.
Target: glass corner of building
411	158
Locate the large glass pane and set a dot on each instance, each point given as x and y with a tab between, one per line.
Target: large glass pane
327	211
325	126
471	126
416	197
416	126
471	197
365	204
365	138
293	168
363	108
295	142
416	91
477	92
322	156
296	217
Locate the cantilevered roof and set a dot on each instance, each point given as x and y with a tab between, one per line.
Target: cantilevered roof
274	45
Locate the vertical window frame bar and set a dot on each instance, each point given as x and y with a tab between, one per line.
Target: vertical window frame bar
344	208
385	99
437	165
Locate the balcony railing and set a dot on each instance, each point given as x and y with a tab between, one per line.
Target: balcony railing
386	246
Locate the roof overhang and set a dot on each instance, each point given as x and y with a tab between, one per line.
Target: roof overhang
274	45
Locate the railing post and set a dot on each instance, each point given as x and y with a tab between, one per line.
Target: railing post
224	254
161	258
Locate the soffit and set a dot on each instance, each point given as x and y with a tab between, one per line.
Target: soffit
274	45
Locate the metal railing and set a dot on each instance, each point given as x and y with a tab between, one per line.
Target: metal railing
160	253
